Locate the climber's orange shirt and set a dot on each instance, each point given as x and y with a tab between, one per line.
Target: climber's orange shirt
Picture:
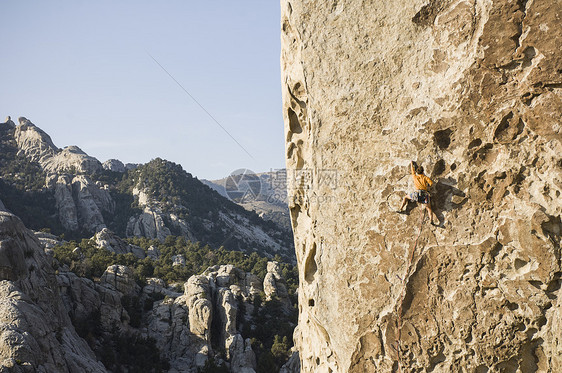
421	182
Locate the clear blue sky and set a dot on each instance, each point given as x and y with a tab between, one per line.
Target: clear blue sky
81	71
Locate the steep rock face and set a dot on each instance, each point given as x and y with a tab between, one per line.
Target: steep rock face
150	222
80	201
34	142
38	147
217	294
472	91
274	285
36	334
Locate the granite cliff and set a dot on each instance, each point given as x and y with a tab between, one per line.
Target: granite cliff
36	334
472	90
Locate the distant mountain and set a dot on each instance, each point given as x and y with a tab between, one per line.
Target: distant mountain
267	197
68	192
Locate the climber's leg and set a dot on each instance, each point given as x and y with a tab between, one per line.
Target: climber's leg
404	202
427	207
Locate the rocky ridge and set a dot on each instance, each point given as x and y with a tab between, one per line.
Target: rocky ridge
89	197
471	91
36	335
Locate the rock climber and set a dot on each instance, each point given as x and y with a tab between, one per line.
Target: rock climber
421	194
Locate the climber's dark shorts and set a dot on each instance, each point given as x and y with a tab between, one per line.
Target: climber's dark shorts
420	196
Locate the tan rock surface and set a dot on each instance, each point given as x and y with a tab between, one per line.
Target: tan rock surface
472	91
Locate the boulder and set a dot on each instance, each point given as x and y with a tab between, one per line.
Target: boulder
292	365
242	357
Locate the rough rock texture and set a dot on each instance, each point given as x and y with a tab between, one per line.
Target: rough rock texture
274	284
120	277
215	294
472	91
36	334
114	165
38	147
80	201
47	240
167	324
106	239
150	222
72	158
181	324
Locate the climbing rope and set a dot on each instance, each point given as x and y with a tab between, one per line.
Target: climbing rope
403	293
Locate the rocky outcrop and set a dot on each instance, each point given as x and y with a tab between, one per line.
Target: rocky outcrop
38	147
471	91
148	224
72	159
80	201
114	165
216	294
35	332
107	240
274	285
90	201
34	142
120	278
47	240
8	124
151	222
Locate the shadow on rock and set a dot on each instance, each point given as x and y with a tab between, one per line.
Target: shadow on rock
446	197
